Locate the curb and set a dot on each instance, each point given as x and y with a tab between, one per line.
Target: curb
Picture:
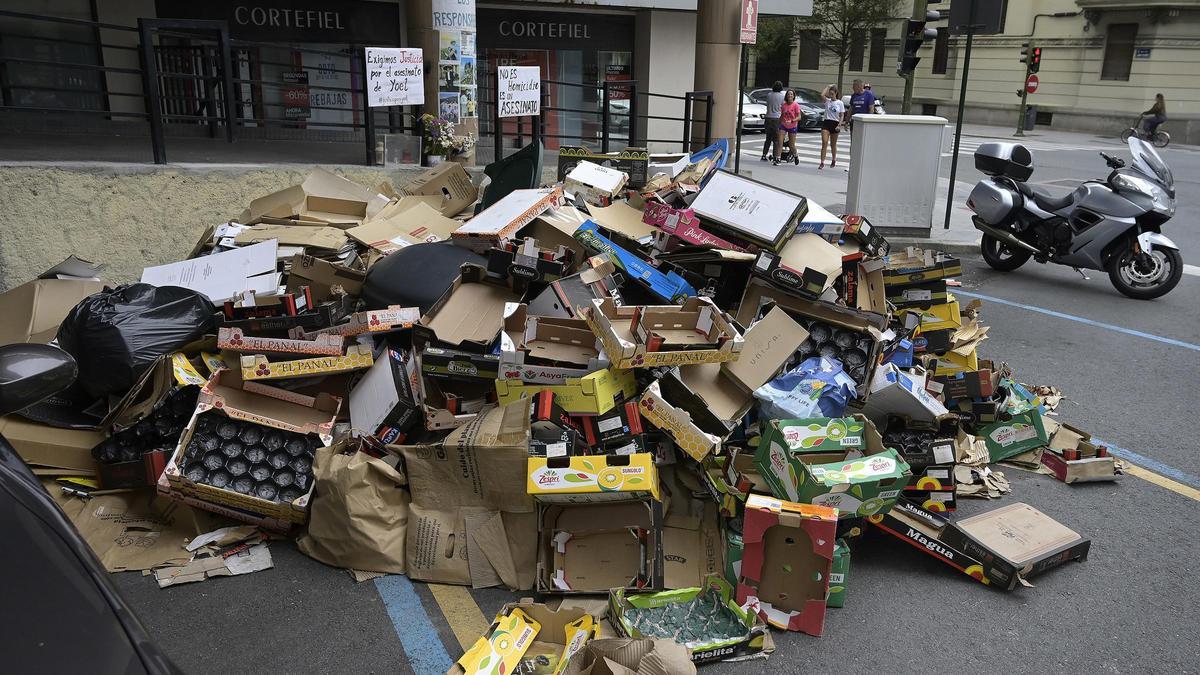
949	247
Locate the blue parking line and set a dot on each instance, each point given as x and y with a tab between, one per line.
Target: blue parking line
1152	464
425	651
1071	317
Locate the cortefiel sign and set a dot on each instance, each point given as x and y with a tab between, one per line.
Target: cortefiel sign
520	90
395	76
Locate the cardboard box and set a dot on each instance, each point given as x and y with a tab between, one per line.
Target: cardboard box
591	548
1015	541
524	628
321	276
409	222
749	209
938	317
860	231
924	530
450	183
322	197
470	313
1022	431
569	296
597	184
321	316
839	575
807	265
259	367
668	286
553	432
818	220
924	294
236	340
142	472
309	236
980	383
615	427
387	320
902	393
384	403
913	265
593	394
787	562
547	350
632	161
862	286
49	448
592	479
698	406
1073	457
263	405
623	606
33	310
622	221
503	219
524	261
664	335
457	365
681	225
816	434
933	488
449	404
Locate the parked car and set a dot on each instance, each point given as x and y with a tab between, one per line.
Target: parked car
754	115
811	108
61	613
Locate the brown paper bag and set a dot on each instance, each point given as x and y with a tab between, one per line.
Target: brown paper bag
437	546
359	515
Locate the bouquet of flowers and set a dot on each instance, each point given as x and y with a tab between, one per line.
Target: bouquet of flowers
440	138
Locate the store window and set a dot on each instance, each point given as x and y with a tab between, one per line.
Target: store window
1118	51
858	48
809	42
878	40
941	51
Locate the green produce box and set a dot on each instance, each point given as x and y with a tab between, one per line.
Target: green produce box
839	575
856	486
816	434
1023	431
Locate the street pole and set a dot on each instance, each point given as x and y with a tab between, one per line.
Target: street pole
737	143
962	101
918	14
1024	91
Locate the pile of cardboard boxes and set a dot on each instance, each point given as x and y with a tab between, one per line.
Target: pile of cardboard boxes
562	388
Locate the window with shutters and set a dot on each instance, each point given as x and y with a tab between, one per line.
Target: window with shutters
1118	51
809	42
941	51
878	38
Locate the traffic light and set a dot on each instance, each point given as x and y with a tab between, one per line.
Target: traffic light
1031	57
915	35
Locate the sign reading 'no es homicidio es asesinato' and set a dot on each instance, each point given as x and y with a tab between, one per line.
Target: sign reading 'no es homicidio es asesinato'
520	90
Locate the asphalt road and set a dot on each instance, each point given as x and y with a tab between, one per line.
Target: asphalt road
1133	606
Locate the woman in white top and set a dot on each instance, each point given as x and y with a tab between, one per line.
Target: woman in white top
831	125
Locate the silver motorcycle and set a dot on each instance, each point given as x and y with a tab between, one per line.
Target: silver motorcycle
1112	225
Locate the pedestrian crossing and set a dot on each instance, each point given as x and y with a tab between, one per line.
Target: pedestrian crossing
808	147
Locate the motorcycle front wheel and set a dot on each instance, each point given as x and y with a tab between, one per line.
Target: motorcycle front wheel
1145	276
1000	256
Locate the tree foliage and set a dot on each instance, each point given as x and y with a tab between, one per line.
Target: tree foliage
841	22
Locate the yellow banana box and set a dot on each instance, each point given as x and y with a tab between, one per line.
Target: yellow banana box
593	478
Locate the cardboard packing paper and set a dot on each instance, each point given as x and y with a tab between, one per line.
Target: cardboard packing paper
359	516
469	496
135	530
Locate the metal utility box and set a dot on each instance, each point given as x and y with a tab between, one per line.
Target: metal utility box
894	162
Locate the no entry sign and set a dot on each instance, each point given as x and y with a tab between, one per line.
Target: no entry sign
1031	84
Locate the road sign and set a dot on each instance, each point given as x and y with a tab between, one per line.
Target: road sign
1031	84
749	25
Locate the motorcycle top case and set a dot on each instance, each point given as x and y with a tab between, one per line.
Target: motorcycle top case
1004	159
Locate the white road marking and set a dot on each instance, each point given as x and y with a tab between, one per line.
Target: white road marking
1193	270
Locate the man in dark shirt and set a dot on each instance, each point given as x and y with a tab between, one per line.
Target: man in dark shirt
862	102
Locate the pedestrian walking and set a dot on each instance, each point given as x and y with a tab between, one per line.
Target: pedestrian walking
835	110
862	102
1156	115
789	122
772	140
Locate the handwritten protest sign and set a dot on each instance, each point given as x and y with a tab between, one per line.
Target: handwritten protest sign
395	77
520	90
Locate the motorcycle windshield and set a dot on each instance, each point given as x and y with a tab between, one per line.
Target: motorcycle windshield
1147	161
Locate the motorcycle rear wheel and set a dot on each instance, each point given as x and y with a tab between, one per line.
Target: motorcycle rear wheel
1142	281
1000	256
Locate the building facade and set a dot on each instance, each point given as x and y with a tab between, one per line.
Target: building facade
1101	66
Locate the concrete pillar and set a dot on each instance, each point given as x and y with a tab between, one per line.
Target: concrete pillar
423	34
718	53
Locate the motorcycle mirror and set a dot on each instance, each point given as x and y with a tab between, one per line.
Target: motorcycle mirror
31	373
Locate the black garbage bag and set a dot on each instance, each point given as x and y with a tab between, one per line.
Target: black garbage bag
416	276
117	333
